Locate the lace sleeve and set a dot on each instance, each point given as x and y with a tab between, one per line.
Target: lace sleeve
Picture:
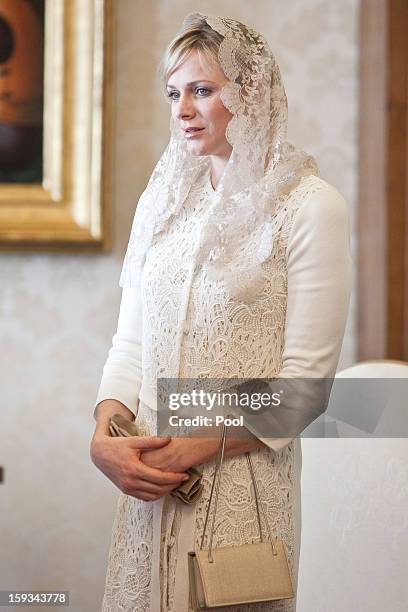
122	372
319	285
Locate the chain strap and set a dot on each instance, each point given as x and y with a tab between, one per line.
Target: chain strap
217	479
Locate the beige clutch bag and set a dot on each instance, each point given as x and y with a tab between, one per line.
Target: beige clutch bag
190	490
236	575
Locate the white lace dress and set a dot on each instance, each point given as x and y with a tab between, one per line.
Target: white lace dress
294	328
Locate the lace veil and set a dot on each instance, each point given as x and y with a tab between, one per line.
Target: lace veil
261	172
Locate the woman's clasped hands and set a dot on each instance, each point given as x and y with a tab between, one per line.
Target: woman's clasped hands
121	460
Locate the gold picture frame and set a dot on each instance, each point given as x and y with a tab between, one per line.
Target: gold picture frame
68	210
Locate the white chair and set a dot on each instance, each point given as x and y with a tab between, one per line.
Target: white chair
378	408
377	368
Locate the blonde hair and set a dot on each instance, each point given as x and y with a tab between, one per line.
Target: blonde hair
195	34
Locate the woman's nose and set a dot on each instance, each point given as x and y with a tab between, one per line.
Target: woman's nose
185	108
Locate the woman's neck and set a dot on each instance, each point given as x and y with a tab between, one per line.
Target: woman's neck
218	164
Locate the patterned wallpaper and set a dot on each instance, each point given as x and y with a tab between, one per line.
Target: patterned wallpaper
59	311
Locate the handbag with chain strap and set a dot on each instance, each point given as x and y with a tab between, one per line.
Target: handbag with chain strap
236	575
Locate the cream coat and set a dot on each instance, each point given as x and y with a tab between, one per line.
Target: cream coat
294	328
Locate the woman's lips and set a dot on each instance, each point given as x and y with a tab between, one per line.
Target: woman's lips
193	133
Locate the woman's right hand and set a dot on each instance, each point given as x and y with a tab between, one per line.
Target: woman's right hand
119	459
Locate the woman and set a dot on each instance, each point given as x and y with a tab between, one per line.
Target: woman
238	265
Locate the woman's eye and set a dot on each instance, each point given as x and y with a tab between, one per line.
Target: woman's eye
173	95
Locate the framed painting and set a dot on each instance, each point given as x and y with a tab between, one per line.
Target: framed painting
55	124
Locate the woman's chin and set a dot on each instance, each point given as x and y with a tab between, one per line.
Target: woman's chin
197	149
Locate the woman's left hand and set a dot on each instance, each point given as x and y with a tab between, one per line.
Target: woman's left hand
181	453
